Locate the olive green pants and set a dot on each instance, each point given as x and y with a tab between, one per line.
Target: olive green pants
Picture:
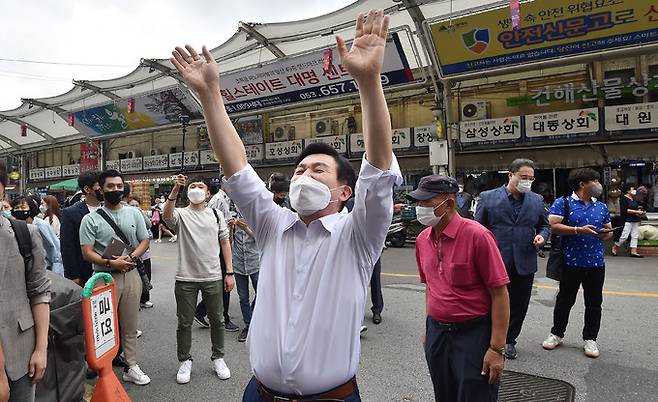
186	300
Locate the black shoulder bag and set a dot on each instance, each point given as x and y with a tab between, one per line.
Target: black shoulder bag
556	260
146	283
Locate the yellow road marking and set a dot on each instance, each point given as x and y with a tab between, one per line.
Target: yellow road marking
605	292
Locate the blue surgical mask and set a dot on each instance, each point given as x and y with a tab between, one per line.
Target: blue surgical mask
6	214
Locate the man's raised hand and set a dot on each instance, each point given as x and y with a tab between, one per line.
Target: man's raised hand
365	59
200	72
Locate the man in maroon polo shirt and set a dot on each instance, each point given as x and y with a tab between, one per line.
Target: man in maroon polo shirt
467	304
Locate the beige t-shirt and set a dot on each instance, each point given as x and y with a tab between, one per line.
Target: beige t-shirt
198	243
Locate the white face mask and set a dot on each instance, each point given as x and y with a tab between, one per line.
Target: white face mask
196	196
524	186
308	196
633	192
425	215
43	208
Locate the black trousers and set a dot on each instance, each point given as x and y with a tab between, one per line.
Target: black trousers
455	362
592	281
146	295
519	289
376	288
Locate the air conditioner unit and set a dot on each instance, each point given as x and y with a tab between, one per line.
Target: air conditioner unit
474	110
325	127
284	132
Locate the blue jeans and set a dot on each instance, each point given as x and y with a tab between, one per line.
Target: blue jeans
21	390
242	283
251	394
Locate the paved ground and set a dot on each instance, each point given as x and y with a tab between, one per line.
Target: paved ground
392	362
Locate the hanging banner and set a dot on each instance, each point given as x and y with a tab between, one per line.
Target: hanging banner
568	123
70	170
424	135
283	150
338	142
357	144
401	138
113	165
156	162
489	131
53	172
254	152
191	159
550	29
37	174
89	157
131	165
207	157
151	110
303	78
640	116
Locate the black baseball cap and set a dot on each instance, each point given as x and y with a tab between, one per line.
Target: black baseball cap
433	185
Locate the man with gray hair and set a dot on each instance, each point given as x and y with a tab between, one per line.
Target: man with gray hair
519	221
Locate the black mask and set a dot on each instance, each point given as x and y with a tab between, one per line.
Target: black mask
99	195
20	215
113	197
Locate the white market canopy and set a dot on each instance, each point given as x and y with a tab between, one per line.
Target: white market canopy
45	119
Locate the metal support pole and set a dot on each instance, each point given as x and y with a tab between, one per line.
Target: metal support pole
447	106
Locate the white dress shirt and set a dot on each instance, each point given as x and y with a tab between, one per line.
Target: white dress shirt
313	282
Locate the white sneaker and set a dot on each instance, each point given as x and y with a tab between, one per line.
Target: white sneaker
184	372
139	334
159	241
136	376
552	342
363	329
147	304
173	239
591	350
221	369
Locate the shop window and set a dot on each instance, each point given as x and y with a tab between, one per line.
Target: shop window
615	90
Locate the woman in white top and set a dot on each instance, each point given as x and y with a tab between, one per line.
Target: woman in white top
51	212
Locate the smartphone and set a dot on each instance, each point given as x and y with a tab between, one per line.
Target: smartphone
604	230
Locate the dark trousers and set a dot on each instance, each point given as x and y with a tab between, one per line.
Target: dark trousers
146	295
201	310
242	283
455	362
592	281
251	394
21	390
519	289
376	288
616	222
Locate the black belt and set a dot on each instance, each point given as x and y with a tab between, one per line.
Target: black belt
337	394
460	326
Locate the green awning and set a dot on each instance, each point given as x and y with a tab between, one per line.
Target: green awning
68	185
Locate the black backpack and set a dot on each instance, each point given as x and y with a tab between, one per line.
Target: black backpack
24	240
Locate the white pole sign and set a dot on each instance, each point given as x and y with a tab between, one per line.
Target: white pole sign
102	321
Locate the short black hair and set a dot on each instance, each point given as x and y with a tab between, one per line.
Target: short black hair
3	174
578	176
346	172
280	186
32	202
627	187
200	179
88	179
213	188
517	164
105	174
126	190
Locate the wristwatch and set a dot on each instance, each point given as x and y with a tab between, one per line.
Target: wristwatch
230	273
132	257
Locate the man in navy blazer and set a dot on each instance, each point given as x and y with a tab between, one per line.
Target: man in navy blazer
519	220
75	267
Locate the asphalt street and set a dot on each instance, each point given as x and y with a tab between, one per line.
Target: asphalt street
393	366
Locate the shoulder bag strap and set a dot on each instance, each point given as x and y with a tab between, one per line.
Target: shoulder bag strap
114	226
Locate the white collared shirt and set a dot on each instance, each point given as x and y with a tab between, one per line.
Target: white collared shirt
313	282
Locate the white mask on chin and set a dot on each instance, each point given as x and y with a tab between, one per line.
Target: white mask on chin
308	196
